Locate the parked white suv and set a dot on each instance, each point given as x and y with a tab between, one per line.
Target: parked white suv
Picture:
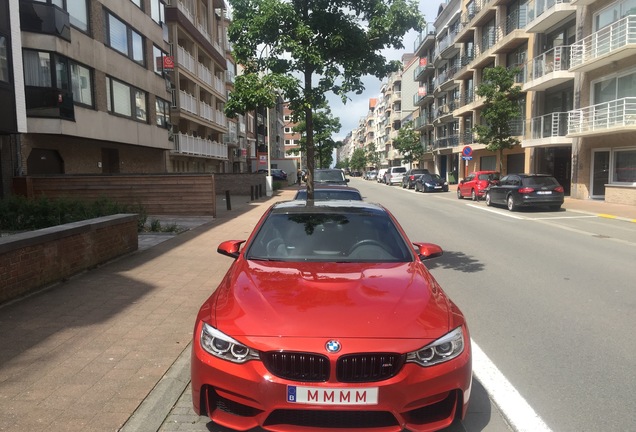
394	175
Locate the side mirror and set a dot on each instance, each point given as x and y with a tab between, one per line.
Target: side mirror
230	248
428	250
347	180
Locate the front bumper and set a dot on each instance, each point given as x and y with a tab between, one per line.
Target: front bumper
244	396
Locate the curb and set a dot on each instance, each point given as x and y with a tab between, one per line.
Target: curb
155	408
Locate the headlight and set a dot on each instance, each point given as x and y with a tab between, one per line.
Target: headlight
222	346
443	349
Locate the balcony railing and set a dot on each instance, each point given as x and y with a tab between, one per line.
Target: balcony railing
188	144
604	41
549	125
602	117
45	18
186	60
555	60
187	102
49	102
446	142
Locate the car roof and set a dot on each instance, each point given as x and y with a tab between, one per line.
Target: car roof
334	206
330	186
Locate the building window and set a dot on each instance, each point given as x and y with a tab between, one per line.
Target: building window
76	9
624	166
163	113
157	11
157	59
126	100
4	59
124	39
137	3
67	75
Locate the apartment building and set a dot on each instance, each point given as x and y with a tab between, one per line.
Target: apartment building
204	139
576	71
95	95
603	121
116	86
292	139
392	97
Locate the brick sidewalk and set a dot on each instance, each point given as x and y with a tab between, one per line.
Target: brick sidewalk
84	354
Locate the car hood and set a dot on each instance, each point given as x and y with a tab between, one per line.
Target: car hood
397	300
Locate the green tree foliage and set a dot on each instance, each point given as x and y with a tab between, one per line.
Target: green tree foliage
325	126
408	143
305	48
501	106
373	155
358	159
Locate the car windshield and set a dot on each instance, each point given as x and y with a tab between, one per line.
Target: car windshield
399	170
326	195
329	176
357	236
429	177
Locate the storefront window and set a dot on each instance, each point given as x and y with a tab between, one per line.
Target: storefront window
624	166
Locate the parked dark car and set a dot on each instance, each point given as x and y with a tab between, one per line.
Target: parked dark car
330	176
277	174
430	183
475	184
330	192
526	190
408	181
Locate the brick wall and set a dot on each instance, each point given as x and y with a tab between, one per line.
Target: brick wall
35	259
181	194
238	184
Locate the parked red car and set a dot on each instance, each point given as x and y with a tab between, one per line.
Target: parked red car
328	319
474	186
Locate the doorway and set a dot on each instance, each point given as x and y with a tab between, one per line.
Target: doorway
600	173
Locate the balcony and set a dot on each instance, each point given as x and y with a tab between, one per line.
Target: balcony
545	14
45	18
423	69
548	129
49	102
445	80
186	60
612	43
548	70
196	146
425	39
605	118
513	33
446	142
422	96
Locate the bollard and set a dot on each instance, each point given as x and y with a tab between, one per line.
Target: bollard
251	193
227	200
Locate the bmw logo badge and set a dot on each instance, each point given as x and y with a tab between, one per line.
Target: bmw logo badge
333	346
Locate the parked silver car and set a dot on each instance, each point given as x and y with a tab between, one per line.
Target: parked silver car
394	175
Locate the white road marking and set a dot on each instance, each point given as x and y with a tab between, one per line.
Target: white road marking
563	217
512	405
495	211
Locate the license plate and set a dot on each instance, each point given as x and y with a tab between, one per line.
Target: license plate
438	187
332	396
544	192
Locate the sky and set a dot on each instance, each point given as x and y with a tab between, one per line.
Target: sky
358	105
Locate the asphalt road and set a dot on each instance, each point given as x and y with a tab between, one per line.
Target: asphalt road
549	298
